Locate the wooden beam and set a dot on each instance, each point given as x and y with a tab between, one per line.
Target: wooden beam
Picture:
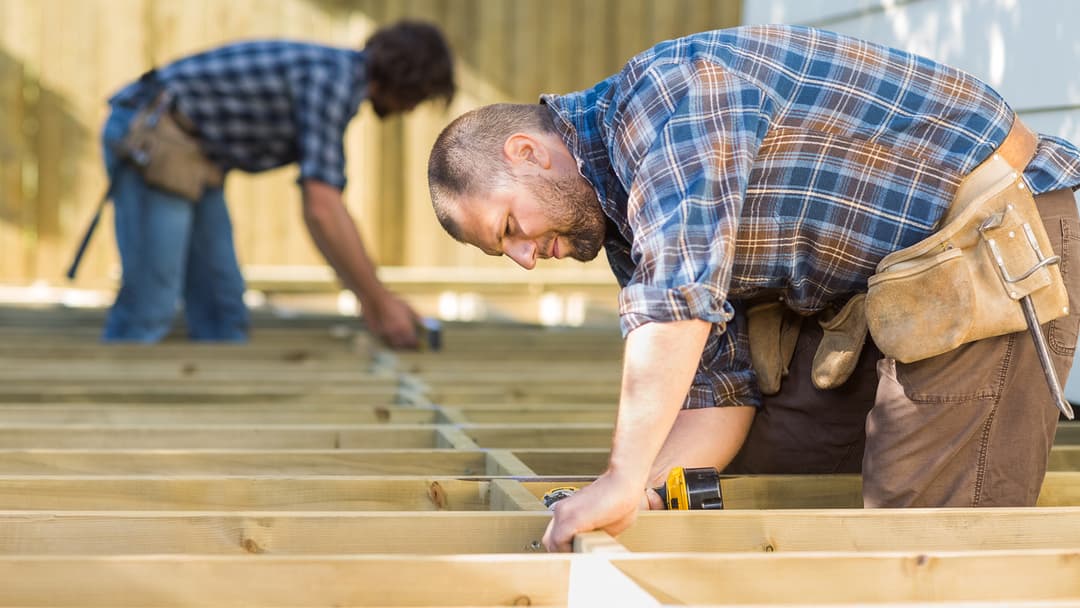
1060	489
855	578
564	461
349	462
513	531
283	581
488	580
511	436
147	414
262	493
605	415
238	436
777	531
509	495
503	462
379	394
276	533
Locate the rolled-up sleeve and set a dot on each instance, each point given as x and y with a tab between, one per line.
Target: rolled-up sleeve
322	115
685	142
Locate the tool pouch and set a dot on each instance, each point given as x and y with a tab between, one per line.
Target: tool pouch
963	283
166	156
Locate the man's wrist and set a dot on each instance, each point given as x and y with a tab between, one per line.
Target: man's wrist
628	470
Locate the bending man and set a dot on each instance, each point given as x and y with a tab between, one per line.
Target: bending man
745	183
251	106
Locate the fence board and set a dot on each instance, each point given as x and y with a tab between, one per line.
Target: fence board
52	96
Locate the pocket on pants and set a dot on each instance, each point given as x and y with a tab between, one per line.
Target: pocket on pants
973	371
1062	333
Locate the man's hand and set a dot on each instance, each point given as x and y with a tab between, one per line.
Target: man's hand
392	320
610	504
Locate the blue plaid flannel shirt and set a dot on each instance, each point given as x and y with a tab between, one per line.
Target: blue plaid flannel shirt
775	160
258	105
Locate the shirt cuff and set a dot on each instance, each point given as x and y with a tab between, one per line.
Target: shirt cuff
329	177
640	304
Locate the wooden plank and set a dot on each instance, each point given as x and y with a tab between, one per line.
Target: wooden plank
286	533
468	393
565	461
539	436
1060	489
509	495
503	462
258	493
311	436
181	376
836	530
597	542
229	581
277	461
37	393
29	348
75	532
212	413
702	579
605	414
452	437
855	578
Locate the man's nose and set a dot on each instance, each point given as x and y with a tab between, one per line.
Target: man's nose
523	252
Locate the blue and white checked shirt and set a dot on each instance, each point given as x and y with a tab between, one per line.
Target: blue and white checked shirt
263	104
775	160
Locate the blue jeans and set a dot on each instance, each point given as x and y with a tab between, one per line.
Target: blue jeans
170	249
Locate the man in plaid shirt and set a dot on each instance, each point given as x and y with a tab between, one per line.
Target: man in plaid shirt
254	106
767	164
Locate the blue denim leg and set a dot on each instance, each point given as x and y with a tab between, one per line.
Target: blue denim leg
152	233
214	289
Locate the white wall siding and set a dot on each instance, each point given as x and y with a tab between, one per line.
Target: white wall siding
1029	51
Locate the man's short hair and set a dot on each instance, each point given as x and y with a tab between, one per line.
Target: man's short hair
411	61
467	156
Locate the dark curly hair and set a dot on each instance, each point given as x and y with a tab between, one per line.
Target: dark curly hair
411	62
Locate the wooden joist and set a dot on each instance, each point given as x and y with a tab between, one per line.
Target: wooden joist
800	579
213	413
76	532
237	493
240	462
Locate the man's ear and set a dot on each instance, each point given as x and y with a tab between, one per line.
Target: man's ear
522	148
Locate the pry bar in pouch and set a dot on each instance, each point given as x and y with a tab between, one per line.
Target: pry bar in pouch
430	330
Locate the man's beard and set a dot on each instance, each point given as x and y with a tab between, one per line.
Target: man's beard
572	207
380	108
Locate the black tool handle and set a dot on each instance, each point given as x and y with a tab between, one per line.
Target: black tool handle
86	236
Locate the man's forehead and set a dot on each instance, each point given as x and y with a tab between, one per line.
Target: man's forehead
476	215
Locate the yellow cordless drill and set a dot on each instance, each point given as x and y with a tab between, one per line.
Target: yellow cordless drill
691	489
684	490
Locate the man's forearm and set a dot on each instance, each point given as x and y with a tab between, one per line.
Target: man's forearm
707	437
660	362
335	235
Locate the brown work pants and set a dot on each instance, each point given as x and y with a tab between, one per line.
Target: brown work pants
971	427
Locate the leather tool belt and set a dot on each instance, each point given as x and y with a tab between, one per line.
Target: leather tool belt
964	282
961	284
166	155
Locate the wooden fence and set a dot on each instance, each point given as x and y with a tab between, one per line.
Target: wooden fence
59	60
